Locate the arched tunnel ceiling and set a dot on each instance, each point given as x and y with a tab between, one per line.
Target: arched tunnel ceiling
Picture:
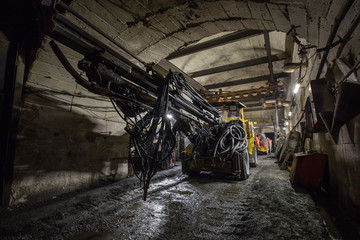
238	51
152	30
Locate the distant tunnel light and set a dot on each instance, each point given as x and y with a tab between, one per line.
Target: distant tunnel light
270	101
296	88
169	116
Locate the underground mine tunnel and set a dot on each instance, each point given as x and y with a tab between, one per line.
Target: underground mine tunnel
180	119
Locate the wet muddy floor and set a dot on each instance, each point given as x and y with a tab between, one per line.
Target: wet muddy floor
205	207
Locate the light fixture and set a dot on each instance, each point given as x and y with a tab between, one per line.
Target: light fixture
296	88
289	114
286	123
270	101
169	116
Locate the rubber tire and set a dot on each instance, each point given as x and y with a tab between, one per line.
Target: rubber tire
244	165
192	173
255	158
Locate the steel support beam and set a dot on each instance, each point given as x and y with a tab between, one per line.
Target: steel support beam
257	99
272	81
348	35
276	121
254	105
246	80
260	108
257	93
338	19
226	39
238	65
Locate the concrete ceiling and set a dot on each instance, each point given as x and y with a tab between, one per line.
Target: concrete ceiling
153	30
239	51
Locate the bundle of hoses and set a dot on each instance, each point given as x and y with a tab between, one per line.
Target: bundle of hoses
153	137
232	140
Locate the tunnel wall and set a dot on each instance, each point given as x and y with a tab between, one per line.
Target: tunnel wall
343	156
68	138
157	28
344	161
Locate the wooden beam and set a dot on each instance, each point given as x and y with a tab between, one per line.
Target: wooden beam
226	39
245	80
238	65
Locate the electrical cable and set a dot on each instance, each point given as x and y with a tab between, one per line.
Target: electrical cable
144	112
233	139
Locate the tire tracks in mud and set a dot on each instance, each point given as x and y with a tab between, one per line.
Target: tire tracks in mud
262	207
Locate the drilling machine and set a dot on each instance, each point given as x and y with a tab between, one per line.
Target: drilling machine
145	107
222	148
144	98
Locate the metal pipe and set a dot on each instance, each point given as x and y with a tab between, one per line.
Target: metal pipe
83	82
63	5
192	109
220	41
137	73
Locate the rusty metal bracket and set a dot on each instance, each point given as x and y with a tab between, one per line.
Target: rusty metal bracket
270	91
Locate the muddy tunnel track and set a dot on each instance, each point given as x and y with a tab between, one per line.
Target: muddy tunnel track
209	206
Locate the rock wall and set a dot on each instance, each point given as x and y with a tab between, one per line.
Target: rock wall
68	156
344	156
344	161
67	137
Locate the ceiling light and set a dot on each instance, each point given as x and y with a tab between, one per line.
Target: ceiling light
296	88
290	114
270	101
169	116
286	123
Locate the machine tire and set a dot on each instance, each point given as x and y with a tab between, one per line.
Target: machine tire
255	158
244	165
192	173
